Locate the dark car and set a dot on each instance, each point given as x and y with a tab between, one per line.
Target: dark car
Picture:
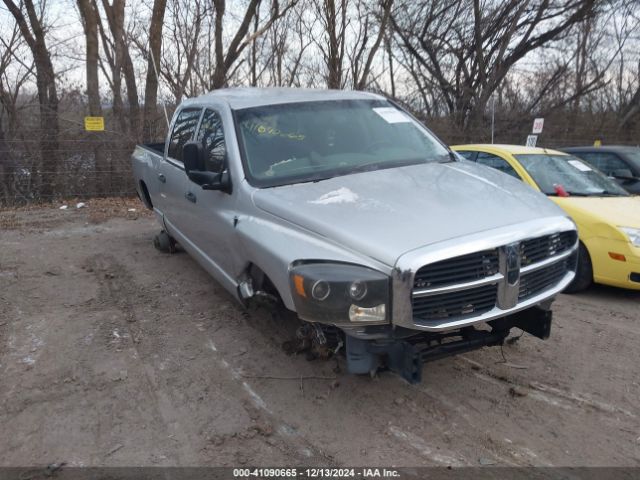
619	162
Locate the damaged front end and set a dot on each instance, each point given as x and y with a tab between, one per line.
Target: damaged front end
370	349
406	355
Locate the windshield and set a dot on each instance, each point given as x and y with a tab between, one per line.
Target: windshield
555	173
312	141
634	156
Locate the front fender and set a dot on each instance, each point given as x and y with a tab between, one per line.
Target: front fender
273	245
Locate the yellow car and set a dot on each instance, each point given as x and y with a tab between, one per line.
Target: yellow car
608	218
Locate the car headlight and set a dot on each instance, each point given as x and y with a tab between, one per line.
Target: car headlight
340	293
633	234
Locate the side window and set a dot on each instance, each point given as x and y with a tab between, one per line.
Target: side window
183	131
211	135
605	162
496	162
466	154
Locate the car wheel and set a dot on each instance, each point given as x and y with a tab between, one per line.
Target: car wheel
164	242
584	272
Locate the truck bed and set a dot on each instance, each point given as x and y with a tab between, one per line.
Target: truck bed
145	160
154	147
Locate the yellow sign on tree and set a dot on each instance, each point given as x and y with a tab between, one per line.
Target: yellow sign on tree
94	124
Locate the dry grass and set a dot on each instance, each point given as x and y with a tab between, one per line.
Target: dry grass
96	210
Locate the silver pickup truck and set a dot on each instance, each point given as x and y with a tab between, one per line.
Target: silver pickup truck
343	208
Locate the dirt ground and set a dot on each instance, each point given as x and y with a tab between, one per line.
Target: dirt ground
112	353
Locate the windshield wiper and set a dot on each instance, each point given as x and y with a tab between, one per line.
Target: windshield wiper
366	167
603	193
568	194
609	193
579	194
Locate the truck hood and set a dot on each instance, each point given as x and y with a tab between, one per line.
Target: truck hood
385	213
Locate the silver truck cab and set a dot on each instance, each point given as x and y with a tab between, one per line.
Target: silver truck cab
346	210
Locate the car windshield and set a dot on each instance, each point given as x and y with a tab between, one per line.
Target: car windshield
633	155
555	173
313	141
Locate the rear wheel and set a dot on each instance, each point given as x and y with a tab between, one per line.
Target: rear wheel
164	242
584	272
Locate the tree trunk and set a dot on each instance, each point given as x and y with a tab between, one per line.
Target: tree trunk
115	17
89	14
33	33
150	128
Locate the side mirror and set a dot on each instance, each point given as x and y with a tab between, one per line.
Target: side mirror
193	158
623	174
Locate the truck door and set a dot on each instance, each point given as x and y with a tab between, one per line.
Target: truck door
209	218
171	176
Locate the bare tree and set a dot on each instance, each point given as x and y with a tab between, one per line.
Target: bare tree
466	49
9	91
226	56
628	94
116	50
353	31
32	28
90	20
333	14
363	54
286	45
151	85
184	30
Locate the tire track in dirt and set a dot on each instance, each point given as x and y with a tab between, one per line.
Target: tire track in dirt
119	288
210	382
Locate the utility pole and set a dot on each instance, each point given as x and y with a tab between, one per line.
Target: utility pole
493	116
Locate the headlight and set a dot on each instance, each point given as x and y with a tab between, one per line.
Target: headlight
340	293
633	234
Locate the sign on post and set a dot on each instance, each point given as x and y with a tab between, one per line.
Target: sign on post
531	140
94	124
538	123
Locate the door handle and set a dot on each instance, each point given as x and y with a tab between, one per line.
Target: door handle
162	178
190	196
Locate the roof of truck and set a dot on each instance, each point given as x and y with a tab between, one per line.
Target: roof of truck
246	97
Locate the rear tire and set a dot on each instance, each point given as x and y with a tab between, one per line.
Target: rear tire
584	272
164	242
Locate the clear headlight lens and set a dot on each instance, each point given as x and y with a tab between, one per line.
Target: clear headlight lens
367	314
358	290
633	234
320	290
340	293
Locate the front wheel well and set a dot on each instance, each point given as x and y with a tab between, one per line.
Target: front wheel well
260	282
584	271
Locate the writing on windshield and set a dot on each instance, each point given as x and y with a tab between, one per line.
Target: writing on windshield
291	143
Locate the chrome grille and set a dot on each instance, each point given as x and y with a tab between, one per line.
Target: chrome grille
537	249
466	268
456	304
533	283
471	285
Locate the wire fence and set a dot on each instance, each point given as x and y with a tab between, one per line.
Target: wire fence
36	166
78	168
81	164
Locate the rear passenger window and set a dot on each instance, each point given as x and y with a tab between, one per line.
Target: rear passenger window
183	131
212	137
496	162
